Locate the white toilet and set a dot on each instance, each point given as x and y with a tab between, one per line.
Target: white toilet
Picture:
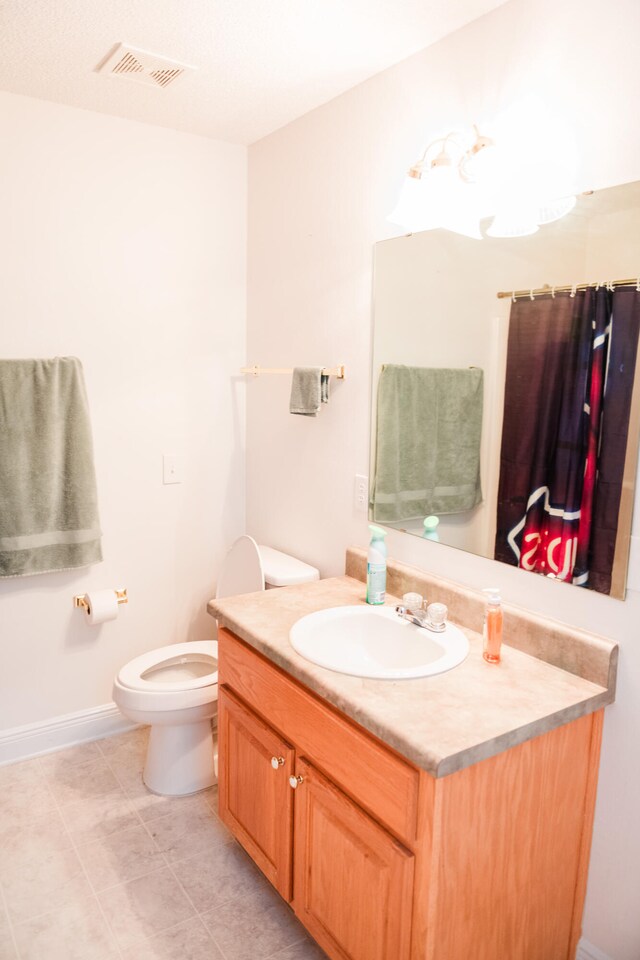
175	688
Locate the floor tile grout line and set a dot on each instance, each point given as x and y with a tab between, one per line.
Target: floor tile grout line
197	912
59	808
86	875
135	809
127	796
121	883
92	893
118	947
111	737
158	933
281	950
10	922
167	863
88	879
201	914
170	864
191	856
153	840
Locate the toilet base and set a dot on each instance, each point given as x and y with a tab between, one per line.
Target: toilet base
180	759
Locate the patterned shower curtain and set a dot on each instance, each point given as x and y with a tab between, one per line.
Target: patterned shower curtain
570	370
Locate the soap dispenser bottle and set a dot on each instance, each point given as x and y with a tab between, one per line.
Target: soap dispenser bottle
492	630
376	566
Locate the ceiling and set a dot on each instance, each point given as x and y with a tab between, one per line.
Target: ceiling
259	64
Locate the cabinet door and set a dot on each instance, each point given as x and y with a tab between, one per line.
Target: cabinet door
255	799
353	882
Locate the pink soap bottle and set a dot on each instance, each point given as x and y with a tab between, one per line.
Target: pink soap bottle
492	630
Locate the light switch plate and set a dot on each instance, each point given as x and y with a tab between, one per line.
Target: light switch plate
171	469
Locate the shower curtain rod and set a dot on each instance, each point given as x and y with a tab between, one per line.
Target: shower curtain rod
566	288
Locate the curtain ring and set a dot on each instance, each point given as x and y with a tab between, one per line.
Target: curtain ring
574	287
531	296
513	293
638	285
553	292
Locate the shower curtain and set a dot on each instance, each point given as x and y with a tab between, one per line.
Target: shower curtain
570	371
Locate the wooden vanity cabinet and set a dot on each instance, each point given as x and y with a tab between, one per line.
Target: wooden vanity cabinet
254	781
380	860
353	882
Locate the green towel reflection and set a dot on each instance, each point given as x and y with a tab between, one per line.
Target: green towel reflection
429	425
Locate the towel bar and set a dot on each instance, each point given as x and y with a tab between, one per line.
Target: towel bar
337	372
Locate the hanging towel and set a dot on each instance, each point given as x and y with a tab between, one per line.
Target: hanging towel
429	424
306	391
324	388
48	502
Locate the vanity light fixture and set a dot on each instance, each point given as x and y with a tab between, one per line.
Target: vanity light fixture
441	188
460	180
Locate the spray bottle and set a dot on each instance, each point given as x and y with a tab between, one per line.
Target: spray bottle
492	630
376	566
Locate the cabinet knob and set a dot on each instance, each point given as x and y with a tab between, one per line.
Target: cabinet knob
294	781
277	762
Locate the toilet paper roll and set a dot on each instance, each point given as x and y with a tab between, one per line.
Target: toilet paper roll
103	606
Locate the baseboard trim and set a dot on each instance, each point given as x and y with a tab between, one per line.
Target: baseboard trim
587	951
34	739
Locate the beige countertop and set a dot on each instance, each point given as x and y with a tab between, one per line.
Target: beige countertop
441	723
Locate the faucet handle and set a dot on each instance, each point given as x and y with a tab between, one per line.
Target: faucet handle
437	613
413	601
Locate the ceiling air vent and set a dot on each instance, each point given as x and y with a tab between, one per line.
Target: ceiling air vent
129	63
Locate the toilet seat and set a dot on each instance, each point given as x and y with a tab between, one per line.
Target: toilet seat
132	691
132	675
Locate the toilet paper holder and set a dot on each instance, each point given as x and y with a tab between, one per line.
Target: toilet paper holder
80	600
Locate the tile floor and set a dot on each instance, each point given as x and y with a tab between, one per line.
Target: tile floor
94	867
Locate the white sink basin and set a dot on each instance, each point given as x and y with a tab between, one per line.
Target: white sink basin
376	642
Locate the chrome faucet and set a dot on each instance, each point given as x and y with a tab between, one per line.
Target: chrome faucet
419	617
433	618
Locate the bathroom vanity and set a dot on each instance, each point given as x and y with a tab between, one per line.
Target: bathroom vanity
436	819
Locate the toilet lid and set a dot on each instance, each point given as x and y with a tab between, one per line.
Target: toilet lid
179	666
241	569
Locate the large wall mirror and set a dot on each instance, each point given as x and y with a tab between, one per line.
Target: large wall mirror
506	405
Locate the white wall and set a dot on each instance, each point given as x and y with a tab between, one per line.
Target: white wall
319	191
124	244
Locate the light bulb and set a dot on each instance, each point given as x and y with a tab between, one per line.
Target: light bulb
454	203
551	210
513	222
409	211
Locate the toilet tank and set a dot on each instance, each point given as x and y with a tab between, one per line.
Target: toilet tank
281	570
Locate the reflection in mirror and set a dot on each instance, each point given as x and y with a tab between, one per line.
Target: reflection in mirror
505	420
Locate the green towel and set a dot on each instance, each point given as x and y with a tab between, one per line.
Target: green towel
306	391
429	423
48	502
